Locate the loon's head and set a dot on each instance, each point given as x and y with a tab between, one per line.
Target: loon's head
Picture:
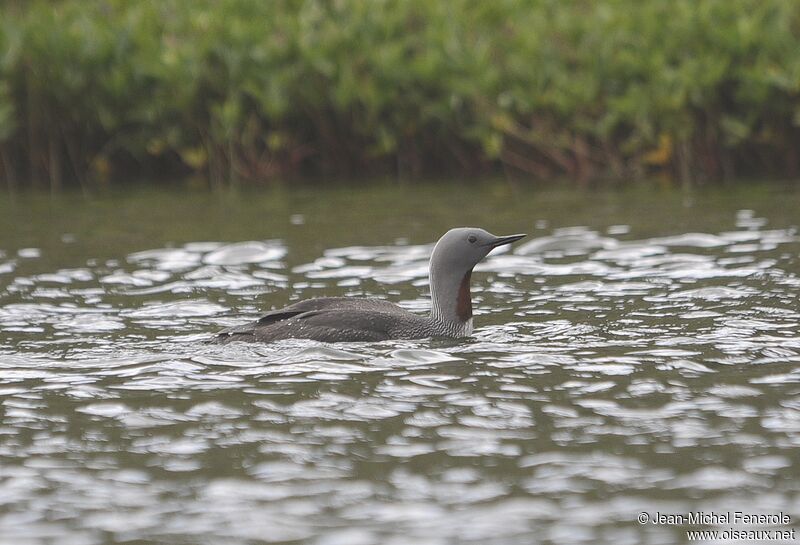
452	261
460	249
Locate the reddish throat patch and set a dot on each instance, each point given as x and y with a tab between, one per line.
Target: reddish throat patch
464	306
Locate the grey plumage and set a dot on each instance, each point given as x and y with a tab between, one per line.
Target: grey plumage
338	319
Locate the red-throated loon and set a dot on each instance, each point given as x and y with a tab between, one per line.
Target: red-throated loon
343	319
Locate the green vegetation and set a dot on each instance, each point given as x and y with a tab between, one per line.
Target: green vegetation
253	90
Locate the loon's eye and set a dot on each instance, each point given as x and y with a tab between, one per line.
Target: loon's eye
472	239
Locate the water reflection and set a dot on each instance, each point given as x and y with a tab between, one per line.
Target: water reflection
610	373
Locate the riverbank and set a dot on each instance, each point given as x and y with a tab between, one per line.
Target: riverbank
249	92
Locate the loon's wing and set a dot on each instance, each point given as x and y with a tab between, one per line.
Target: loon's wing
335	325
331	326
321	318
326	303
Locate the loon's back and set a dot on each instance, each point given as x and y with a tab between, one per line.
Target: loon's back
333	319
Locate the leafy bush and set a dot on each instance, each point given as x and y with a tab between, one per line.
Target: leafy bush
252	90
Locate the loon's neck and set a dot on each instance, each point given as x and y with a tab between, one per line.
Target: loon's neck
451	300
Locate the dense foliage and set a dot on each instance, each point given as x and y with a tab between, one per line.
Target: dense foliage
253	90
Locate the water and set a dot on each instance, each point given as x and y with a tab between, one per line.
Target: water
638	352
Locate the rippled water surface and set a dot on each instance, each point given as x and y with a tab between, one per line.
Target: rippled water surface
639	351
